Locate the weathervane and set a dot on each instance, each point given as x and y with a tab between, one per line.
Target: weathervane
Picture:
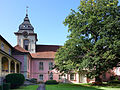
27	10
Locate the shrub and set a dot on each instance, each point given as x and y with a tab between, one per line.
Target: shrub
6	86
114	82
114	77
15	79
33	80
49	82
0	87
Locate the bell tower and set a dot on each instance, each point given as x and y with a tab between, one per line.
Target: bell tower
26	38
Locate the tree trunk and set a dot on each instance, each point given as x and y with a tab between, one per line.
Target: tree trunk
98	80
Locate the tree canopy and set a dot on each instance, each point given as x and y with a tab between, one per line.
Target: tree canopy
94	39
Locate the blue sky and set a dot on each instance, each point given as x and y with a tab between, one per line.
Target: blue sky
46	16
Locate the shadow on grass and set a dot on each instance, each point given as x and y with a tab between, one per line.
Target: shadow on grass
31	87
70	87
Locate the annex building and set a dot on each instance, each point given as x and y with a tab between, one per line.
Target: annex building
36	61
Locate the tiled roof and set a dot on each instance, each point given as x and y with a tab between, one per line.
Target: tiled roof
42	51
45	51
19	48
43	55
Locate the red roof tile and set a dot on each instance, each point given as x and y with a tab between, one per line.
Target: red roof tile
43	55
19	48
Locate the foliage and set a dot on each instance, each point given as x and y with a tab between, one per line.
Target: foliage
6	86
0	87
114	78
94	38
114	82
33	80
15	79
49	82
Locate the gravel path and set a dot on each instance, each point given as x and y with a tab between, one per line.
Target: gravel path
41	87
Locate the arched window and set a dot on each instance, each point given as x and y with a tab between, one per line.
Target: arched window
12	66
26	44
4	64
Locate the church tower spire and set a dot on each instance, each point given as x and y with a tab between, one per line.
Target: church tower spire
26	38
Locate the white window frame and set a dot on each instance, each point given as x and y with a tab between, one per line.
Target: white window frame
41	77
72	78
41	66
50	65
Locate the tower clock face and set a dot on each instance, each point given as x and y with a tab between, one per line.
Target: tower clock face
25	34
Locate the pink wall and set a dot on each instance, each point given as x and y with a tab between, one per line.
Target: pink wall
35	72
21	59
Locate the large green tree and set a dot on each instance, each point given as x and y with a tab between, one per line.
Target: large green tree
94	39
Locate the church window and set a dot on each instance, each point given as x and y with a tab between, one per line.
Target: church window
41	66
72	76
26	44
2	46
50	65
41	77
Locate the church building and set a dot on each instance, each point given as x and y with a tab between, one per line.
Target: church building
37	61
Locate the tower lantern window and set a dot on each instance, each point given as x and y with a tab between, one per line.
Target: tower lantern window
26	44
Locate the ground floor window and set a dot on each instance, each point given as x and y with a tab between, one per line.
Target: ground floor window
72	76
118	70
51	76
41	77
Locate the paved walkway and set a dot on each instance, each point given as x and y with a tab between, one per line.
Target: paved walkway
41	87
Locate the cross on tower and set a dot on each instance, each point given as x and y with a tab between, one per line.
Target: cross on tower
27	10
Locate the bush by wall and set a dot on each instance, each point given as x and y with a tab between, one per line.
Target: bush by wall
50	82
0	87
15	79
6	86
33	80
114	82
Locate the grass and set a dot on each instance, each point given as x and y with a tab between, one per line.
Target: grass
31	87
81	87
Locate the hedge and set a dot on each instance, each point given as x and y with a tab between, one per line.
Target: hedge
6	86
50	82
15	79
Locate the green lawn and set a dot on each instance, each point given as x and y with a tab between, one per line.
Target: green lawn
31	87
72	87
81	87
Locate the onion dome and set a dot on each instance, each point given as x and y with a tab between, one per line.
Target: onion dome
26	24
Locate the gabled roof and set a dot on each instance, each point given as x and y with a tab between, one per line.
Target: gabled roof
43	51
